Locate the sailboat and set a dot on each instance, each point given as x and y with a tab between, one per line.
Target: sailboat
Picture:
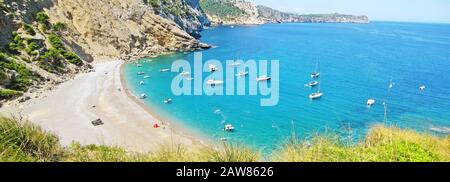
316	95
316	72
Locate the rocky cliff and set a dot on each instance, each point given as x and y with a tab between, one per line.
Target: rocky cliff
271	16
244	12
231	12
45	42
187	14
119	28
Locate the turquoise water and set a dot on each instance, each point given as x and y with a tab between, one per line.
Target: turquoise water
357	62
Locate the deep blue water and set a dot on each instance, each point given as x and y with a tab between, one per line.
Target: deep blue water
357	62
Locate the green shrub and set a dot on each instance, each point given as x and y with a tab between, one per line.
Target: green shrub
23	141
72	58
28	29
25	76
55	41
222	9
58	26
42	17
8	94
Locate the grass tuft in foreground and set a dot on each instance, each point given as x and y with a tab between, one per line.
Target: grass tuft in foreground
23	141
382	144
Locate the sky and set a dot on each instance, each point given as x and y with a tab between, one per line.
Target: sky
433	11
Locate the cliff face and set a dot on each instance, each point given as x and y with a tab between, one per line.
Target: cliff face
243	12
230	12
187	14
119	28
271	16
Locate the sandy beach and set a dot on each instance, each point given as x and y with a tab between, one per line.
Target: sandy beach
67	111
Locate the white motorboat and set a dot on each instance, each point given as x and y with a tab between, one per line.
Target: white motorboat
235	64
316	95
263	78
146	77
185	73
140	73
242	74
165	70
139	65
229	127
213	68
316	73
370	102
422	88
214	82
141	83
189	79
313	83
167	101
143	96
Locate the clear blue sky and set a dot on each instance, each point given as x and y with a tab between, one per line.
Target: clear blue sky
386	10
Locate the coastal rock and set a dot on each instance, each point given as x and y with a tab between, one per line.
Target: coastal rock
119	28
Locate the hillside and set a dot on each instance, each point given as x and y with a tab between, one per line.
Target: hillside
244	12
274	16
23	141
230	12
44	43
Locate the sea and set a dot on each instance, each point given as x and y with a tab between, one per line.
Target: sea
384	61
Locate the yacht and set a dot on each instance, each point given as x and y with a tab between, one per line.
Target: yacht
263	78
235	64
370	102
229	128
167	101
165	70
213	68
242	74
316	95
185	73
313	83
214	82
316	73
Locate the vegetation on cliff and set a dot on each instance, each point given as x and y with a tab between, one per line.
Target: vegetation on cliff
222	9
23	141
32	44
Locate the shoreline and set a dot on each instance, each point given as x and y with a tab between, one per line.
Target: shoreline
67	112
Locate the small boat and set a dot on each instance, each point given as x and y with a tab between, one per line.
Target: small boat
141	83
313	83
422	88
167	101
185	73
146	77
263	78
214	82
235	64
316	73
213	68
316	95
189	79
223	139
164	70
231	26
242	74
370	102
139	65
143	96
140	73
229	128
